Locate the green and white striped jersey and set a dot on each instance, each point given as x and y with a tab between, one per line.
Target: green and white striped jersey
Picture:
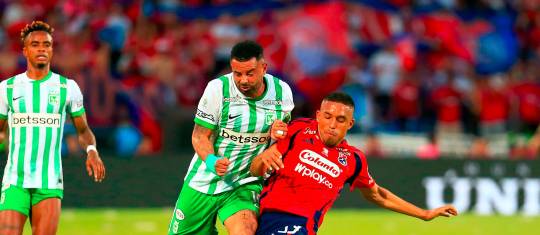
241	126
36	110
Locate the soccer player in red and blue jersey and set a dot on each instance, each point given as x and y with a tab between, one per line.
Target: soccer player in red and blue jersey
312	165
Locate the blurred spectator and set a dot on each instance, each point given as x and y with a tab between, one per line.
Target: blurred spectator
492	102
359	86
430	150
126	136
386	69
372	146
406	104
479	149
447	101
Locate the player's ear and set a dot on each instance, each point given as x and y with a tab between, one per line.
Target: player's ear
351	123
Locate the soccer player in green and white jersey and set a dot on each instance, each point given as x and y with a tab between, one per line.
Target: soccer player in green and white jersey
35	104
238	114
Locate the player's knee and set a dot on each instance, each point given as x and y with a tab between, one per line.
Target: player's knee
248	227
10	229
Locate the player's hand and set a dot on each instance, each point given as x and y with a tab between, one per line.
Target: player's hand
446	211
272	161
222	165
95	167
278	131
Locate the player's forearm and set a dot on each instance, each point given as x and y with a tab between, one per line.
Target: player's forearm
386	199
257	166
203	147
86	137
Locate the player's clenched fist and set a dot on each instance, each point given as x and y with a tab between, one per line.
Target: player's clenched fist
217	164
221	166
278	130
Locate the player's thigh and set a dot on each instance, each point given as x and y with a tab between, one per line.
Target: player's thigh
239	211
281	223
194	213
14	209
46	207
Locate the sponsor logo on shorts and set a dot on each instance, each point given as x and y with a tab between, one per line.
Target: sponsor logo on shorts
36	120
314	159
179	214
293	230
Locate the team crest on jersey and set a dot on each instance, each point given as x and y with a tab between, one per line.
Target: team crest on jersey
54	98
269	117
342	159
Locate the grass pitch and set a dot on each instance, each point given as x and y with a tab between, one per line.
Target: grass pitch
362	222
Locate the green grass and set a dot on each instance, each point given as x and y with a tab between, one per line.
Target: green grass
364	222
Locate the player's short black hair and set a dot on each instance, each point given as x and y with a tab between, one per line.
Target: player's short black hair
340	97
244	51
35	26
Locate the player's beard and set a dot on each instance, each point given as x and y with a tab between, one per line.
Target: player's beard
41	65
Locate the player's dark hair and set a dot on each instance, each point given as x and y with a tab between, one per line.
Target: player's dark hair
340	97
35	26
244	51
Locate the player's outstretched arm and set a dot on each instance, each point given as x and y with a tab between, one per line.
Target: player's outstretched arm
268	160
386	199
202	140
87	140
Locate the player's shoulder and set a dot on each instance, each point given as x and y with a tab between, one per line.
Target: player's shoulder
301	123
356	151
284	85
217	83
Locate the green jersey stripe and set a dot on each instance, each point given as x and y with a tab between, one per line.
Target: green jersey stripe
57	150
279	97
3	116
22	146
228	154
35	130
45	164
251	128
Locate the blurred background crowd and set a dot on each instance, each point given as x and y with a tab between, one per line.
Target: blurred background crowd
430	78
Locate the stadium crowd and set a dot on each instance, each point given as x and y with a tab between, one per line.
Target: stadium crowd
431	67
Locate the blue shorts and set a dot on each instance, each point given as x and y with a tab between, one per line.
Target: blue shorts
276	223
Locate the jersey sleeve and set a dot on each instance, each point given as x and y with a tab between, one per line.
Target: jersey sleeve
210	104
292	130
3	100
288	103
75	102
362	179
